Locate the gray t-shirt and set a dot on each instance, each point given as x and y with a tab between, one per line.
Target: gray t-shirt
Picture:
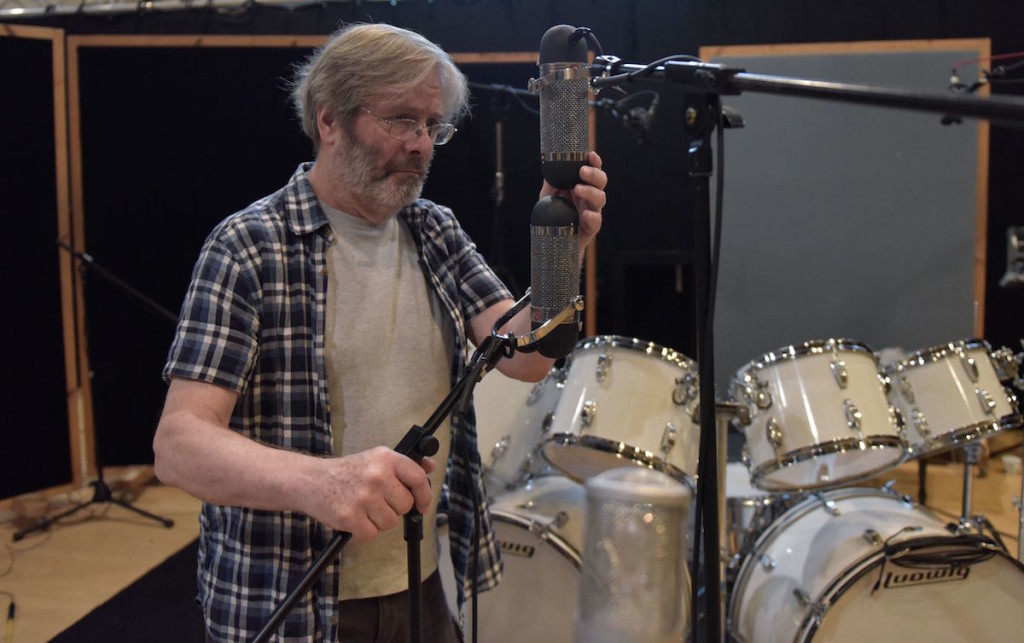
388	367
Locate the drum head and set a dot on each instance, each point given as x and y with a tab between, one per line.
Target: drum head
980	602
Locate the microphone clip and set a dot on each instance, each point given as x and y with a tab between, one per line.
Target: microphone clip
551	73
529	342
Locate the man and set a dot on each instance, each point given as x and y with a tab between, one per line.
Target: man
321	323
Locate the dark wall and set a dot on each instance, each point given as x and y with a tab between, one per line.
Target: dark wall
35	415
174	140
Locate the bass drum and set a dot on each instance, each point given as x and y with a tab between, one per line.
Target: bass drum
866	565
539	528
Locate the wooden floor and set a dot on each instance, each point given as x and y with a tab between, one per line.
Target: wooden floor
60	575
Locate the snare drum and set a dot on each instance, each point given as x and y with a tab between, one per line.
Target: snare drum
819	416
866	565
625	401
950	396
511	419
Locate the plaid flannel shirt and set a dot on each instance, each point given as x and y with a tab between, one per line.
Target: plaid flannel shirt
253	322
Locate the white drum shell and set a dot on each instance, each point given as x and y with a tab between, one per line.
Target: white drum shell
625	401
797	391
512	417
539	528
949	396
828	559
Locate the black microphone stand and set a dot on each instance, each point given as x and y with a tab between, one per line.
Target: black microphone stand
101	490
420	442
703	85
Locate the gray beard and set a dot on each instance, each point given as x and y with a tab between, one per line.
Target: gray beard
389	192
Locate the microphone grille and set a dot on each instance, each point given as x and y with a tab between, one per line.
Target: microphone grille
564	126
554	268
634	584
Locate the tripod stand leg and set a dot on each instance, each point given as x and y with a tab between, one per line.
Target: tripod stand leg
101	493
44	523
166	522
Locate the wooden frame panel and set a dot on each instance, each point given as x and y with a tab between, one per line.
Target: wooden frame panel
74	391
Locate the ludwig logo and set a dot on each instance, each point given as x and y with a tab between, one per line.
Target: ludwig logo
925	576
516	549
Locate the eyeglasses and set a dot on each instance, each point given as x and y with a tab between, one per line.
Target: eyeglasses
406	129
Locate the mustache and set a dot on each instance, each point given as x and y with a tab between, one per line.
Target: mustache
411	165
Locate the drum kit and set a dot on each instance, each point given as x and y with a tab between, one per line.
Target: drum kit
805	554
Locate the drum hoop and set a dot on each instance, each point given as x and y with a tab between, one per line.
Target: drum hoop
812	347
830	448
561	545
845	580
791	515
651	349
634	455
937	353
963	436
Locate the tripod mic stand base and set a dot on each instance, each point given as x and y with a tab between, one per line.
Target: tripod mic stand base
101	493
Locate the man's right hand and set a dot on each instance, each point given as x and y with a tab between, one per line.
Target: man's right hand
369	492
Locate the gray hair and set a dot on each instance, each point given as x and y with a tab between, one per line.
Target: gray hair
364	63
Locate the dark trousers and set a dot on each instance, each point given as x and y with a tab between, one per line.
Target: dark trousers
385	619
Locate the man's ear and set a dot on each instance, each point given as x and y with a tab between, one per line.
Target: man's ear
327	125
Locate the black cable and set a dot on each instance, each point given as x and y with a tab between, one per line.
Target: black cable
716	237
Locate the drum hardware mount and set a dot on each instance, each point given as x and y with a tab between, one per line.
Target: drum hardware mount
853	415
827	504
604	364
542	529
536	393
889	488
547	422
970	366
685	389
500	447
588	413
920	422
817	610
988	404
906	390
668	438
774	434
838	368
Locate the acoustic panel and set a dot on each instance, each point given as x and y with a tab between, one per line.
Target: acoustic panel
846	220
